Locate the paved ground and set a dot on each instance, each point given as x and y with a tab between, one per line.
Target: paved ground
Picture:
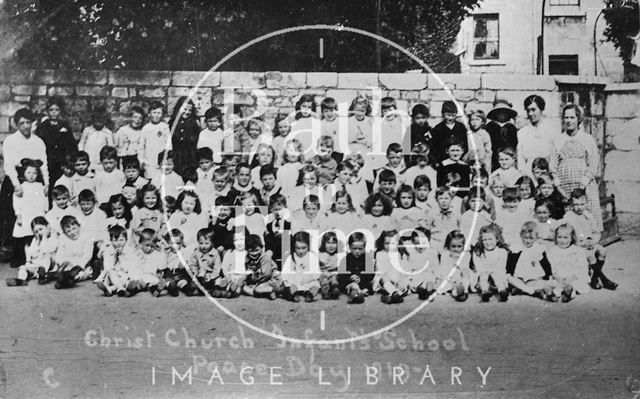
54	344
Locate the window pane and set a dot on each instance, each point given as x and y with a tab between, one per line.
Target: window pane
486	37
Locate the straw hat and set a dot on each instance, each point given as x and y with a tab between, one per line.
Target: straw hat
502	104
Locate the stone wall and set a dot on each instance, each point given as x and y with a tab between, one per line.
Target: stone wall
277	92
622	174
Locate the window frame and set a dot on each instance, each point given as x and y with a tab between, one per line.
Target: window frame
476	40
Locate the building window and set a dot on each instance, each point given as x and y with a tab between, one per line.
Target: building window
564	2
486	38
563	65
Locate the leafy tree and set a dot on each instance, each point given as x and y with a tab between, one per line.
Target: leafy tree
623	23
195	34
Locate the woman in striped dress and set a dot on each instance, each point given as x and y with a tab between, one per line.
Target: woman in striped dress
575	160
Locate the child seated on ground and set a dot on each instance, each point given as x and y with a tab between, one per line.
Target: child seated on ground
356	271
301	270
206	266
143	275
329	257
530	265
73	255
588	235
420	264
389	279
490	261
569	264
117	258
174	276
39	254
456	255
262	276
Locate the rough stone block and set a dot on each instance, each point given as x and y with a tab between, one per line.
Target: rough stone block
357	80
92	91
403	81
454	81
191	78
322	79
60	91
622	166
152	92
9	108
202	99
292	93
517	82
120	92
140	78
5	93
179	91
623	105
80	77
22	99
624	134
5	126
286	79
627	194
485	96
28	90
410	95
242	79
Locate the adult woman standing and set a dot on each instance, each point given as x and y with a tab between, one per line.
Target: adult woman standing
185	131
575	160
535	139
58	138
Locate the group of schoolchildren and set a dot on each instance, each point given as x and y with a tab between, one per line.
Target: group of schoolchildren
267	215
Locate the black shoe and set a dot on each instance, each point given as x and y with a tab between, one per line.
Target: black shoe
309	297
486	295
386	299
295	298
357	299
42	275
462	297
595	283
422	293
538	294
14	282
609	285
172	289
396	298
503	295
334	293
566	294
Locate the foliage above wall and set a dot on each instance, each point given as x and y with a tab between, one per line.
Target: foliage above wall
194	34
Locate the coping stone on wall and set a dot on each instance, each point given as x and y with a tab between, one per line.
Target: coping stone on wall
253	80
191	78
322	79
517	82
623	105
458	81
357	80
403	81
140	78
91	77
277	80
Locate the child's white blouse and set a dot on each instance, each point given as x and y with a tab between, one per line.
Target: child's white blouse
494	261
